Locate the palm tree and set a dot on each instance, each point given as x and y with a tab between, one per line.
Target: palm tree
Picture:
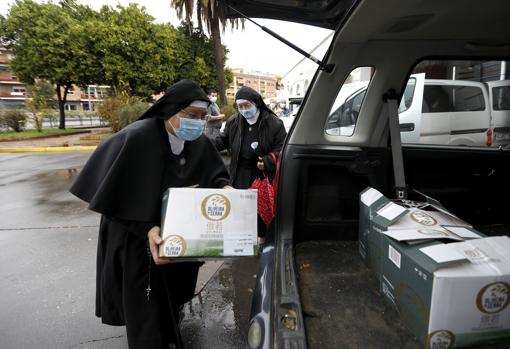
210	12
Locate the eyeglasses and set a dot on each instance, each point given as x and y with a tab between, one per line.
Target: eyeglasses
246	105
194	116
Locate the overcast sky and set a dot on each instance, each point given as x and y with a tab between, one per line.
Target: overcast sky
250	49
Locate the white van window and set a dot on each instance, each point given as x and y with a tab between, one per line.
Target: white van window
344	113
501	98
446	99
457	103
407	98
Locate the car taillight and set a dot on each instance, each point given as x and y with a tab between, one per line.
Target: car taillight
489	137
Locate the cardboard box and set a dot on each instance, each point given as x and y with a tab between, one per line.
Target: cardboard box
202	223
450	283
404	220
450	295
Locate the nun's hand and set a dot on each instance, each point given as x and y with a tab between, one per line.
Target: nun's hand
154	241
260	164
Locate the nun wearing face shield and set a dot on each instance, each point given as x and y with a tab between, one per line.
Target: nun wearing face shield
252	135
124	180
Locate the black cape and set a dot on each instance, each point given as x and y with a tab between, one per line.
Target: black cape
124	180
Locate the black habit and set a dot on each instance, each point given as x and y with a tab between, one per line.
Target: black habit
124	180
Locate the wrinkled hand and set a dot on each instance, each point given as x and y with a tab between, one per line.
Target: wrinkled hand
260	164
154	241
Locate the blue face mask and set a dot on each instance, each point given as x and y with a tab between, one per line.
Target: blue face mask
189	130
249	113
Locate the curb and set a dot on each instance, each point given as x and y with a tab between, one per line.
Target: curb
47	149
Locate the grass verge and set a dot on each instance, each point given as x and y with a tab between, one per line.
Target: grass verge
27	134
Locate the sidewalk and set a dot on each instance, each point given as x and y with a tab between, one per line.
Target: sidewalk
77	142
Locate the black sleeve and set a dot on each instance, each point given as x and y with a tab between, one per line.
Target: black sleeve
276	146
218	174
222	142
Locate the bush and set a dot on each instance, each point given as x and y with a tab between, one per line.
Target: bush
120	110
228	110
13	119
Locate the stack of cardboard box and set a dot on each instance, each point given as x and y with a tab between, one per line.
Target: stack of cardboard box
449	282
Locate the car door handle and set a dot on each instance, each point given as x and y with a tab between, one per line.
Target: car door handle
409	127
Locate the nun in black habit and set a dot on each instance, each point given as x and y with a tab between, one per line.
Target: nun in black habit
124	181
255	137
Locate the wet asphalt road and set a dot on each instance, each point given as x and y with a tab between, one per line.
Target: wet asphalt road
47	267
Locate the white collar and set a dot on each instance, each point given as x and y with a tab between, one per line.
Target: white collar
176	143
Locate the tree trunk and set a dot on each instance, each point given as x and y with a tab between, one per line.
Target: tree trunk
219	59
61	104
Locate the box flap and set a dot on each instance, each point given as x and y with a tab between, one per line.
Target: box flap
488	256
463	232
369	196
389	213
421	234
443	254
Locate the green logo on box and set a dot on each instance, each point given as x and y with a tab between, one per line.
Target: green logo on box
493	298
216	207
441	339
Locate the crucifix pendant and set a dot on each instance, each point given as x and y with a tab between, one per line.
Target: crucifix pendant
148	289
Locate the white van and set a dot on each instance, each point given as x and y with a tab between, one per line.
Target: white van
499	94
453	112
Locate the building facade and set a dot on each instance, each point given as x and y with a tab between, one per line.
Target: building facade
13	92
266	84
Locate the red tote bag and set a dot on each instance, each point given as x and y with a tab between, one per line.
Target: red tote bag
265	197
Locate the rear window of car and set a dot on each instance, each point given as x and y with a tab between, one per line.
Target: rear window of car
446	99
501	98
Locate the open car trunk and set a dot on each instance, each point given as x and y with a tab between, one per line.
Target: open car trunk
340	298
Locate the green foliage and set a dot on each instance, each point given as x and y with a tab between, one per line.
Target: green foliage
121	109
195	57
229	76
50	42
69	44
13	119
228	110
40	102
139	54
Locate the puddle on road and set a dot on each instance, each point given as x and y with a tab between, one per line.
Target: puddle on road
218	316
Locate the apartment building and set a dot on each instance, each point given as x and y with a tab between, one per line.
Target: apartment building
12	91
266	84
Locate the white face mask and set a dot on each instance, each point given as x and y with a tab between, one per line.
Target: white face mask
213	99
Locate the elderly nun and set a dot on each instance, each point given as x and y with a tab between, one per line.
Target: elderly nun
252	135
124	181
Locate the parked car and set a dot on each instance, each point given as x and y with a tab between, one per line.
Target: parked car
312	289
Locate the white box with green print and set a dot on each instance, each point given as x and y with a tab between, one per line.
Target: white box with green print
201	223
